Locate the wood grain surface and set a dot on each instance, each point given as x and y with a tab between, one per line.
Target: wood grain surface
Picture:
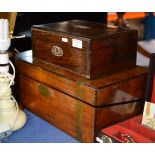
104	50
126	86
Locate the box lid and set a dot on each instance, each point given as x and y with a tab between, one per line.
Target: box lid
85	29
125	86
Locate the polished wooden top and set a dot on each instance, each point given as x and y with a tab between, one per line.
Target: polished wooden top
81	28
94	83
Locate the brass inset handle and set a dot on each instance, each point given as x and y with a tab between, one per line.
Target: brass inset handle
57	51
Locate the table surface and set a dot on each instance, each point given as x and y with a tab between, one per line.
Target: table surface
149	46
37	130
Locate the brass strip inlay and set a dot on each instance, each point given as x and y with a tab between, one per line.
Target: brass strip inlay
79	120
79	113
148	106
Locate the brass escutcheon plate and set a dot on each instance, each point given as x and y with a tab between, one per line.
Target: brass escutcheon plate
57	51
44	91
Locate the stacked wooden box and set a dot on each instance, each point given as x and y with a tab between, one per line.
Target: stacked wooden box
82	76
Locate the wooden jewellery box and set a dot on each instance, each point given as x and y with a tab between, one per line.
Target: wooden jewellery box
77	105
139	129
85	48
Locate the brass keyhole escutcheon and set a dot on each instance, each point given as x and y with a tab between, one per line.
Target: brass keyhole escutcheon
44	90
57	51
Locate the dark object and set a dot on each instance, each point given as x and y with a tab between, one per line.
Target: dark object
150	90
120	21
25	20
149	27
74	104
88	49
